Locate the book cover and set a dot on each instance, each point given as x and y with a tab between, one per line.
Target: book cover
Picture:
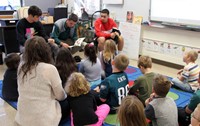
129	16
137	19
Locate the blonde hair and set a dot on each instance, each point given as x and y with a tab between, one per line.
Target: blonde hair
109	50
77	85
131	112
193	55
121	62
145	61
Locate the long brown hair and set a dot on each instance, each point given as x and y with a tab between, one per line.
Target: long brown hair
65	64
131	112
36	50
90	52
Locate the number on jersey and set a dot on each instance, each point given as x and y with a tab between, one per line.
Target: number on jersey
122	92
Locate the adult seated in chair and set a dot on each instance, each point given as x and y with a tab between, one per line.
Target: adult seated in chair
65	34
105	28
30	26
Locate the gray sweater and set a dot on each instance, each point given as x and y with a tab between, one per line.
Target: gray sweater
91	72
162	112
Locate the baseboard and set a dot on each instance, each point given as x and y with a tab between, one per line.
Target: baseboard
168	64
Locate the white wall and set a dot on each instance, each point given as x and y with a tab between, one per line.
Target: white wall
180	37
42	4
139	8
168	35
70	4
175	36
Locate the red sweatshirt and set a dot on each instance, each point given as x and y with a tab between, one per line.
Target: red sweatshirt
104	29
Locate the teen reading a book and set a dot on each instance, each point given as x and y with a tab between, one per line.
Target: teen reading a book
30	26
104	30
64	34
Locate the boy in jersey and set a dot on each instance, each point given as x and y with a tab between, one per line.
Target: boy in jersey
115	87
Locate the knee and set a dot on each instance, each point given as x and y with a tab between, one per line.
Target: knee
101	40
121	39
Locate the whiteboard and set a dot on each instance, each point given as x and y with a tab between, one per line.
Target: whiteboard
131	35
185	12
113	1
139	8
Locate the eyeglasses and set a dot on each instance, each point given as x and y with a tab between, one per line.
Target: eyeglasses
193	116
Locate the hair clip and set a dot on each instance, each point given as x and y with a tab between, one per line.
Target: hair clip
91	44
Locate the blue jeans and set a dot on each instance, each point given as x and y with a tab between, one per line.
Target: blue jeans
185	86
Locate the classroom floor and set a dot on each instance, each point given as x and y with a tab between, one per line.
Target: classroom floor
7	113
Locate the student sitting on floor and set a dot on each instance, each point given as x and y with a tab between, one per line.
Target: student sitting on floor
131	112
83	104
188	76
90	66
65	65
39	86
115	87
142	87
9	88
184	114
106	57
161	110
195	118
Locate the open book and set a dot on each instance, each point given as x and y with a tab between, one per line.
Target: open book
78	42
116	30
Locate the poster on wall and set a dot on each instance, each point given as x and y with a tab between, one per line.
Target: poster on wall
129	16
131	35
166	48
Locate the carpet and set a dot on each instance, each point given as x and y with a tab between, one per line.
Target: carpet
181	98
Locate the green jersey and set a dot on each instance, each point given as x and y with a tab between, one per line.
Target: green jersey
114	88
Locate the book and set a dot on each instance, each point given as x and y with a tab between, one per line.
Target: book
116	30
78	42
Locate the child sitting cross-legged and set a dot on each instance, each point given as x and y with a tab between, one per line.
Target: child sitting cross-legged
161	110
187	79
115	87
131	112
82	103
90	66
9	88
106	57
142	87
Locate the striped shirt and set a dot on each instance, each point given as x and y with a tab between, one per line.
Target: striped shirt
191	74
